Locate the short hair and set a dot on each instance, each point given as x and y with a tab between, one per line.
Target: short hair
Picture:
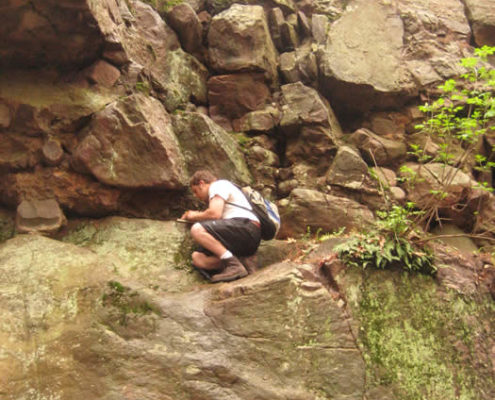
202	175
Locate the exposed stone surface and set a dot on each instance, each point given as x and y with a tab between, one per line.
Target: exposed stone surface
206	144
239	40
125	318
153	254
310	208
183	19
371	37
386	176
52	151
437	177
348	170
7	224
94	321
260	120
232	96
314	145
94	313
65	34
39	103
441	187
378	149
5	115
299	65
302	105
39	216
131	144
102	73
75	192
482	18
19	152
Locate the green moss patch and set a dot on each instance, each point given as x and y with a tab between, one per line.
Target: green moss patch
423	342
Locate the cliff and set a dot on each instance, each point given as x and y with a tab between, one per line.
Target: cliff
106	109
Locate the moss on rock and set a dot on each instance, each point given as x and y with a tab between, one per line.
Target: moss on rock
422	341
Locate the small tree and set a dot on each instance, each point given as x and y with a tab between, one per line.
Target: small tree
459	118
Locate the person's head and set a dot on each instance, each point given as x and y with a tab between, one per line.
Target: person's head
200	183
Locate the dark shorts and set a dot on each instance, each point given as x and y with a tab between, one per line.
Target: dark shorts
239	235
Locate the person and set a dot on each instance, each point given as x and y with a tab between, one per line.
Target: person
227	231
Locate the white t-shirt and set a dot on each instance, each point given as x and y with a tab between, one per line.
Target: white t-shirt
232	194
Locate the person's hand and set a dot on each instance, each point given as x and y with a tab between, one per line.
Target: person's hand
188	215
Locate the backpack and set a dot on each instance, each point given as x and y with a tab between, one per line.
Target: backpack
265	210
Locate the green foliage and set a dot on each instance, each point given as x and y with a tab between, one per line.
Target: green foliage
143	87
457	121
463	113
389	245
163	6
126	301
383	252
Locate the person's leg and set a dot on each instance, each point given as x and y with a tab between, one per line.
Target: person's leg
206	240
201	260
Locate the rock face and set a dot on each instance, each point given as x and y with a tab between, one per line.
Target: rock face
107	107
378	54
312	209
48	22
108	319
39	216
131	144
239	40
481	16
206	145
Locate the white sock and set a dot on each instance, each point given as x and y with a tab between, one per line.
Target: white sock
225	255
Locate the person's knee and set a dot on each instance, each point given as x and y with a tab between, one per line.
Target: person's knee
197	228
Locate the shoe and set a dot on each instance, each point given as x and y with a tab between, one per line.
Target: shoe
250	263
233	269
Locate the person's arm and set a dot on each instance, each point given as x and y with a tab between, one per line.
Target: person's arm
214	211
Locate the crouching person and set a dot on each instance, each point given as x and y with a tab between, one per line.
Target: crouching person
227	231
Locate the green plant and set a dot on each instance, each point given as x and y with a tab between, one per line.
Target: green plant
126	301
389	245
457	121
143	87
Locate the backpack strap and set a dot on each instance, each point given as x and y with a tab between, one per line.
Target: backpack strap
251	210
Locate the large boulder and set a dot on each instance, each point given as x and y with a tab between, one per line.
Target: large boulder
378	54
73	306
299	65
48	33
303	105
239	40
176	76
48	326
93	321
315	145
232	96
377	149
131	144
482	19
36	103
310	209
348	170
206	145
154	254
184	20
